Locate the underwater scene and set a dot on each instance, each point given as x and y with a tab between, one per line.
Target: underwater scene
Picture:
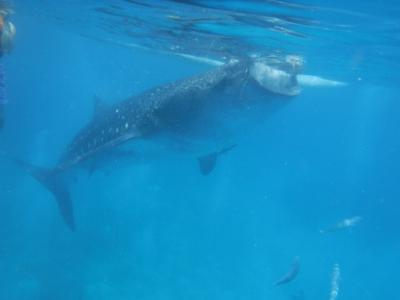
175	150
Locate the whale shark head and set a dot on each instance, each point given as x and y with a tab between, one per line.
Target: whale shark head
279	77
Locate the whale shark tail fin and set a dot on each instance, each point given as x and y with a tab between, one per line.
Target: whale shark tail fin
53	181
208	162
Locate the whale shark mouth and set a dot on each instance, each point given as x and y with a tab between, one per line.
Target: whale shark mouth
275	80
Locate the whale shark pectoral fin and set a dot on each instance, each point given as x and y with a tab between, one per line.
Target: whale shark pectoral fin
53	181
207	163
227	149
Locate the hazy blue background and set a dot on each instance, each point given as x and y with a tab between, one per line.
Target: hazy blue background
160	230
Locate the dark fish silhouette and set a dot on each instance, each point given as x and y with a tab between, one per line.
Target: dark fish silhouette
291	274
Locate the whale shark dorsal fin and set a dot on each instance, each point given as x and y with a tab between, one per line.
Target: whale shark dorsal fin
99	106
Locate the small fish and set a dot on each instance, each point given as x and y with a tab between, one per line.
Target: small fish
291	274
346	223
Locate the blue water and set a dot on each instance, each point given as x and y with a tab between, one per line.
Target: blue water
159	229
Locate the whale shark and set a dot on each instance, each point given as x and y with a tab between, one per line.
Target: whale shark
174	111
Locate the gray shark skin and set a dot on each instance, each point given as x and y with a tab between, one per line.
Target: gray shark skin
168	110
